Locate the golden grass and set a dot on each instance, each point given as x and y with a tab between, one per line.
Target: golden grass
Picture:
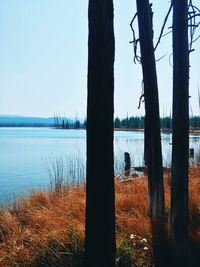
33	221
27	228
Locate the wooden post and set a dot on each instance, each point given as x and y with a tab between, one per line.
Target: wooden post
191	153
127	160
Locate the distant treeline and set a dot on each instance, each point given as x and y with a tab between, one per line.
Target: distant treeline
68	123
64	123
165	123
126	123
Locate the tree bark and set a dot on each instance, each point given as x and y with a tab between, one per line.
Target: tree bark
153	153
100	202
180	134
152	118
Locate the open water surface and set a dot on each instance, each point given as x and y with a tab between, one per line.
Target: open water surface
25	151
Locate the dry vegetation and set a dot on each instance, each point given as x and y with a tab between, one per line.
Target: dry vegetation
47	229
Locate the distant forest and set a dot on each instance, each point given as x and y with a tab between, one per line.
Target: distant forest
125	123
133	122
165	122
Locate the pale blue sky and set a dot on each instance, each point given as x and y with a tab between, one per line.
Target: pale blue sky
43	59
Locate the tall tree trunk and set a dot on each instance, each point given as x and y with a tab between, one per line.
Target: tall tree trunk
153	151
145	143
100	207
180	133
152	118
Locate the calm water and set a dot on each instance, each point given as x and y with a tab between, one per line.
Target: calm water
25	151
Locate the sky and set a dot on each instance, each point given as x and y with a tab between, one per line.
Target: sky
43	59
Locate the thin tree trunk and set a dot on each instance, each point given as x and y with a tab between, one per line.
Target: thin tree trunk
180	134
152	118
100	209
153	151
145	143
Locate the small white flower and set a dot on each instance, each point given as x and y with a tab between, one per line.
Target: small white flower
132	236
143	240
145	248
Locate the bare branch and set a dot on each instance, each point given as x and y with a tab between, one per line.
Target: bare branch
161	57
193	14
170	61
166	33
163	27
141	99
196	39
135	41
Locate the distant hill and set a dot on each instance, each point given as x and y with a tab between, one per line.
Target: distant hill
20	121
9	120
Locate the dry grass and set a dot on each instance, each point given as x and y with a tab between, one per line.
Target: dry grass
51	225
33	222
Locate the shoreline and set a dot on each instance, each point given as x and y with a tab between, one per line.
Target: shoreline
191	131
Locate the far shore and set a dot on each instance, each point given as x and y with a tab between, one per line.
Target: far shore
192	131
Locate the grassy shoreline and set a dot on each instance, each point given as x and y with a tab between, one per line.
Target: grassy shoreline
47	228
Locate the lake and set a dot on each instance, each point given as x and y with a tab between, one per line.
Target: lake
27	154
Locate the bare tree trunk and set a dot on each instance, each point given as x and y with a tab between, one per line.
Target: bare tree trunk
153	151
100	209
152	118
180	134
145	143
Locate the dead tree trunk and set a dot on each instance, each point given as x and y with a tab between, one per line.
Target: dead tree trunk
152	126
145	142
100	208
152	118
180	134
